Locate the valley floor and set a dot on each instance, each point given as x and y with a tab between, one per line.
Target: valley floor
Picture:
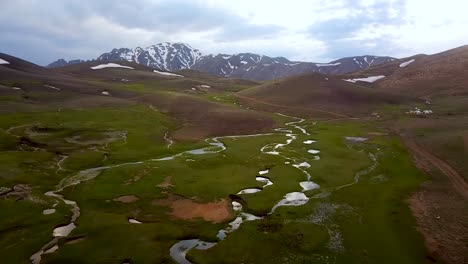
137	203
194	170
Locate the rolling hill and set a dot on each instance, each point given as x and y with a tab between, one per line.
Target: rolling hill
320	96
29	87
427	76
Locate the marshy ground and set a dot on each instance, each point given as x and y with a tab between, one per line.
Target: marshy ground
189	197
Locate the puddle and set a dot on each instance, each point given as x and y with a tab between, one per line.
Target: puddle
164	159
48	211
250	190
356	139
308	142
63	231
313	151
292	199
134	221
308	185
236	206
302	165
267	181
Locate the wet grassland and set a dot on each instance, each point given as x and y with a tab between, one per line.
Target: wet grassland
139	193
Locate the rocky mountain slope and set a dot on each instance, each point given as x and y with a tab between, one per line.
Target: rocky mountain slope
163	56
179	56
256	67
62	62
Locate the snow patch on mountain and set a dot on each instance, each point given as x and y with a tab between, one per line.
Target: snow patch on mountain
404	64
367	79
327	64
110	65
2	61
168	73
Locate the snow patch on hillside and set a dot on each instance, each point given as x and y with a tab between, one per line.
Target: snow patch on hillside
327	64
110	65
404	64
52	87
368	79
2	61
168	73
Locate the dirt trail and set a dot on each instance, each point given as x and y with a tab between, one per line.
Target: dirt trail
293	107
458	182
440	207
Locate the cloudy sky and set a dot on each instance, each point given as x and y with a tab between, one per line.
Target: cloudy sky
309	30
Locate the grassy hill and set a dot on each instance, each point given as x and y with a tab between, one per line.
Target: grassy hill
320	96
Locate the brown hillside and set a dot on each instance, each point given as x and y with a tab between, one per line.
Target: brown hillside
436	75
30	87
318	95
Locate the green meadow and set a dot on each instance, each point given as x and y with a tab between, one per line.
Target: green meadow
358	215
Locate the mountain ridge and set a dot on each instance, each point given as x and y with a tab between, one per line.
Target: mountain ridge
178	56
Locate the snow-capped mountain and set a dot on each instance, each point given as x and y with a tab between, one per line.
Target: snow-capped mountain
178	56
256	67
163	56
353	64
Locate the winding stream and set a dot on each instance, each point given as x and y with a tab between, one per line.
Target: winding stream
215	146
179	250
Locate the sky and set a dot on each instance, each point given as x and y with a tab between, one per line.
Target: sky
42	31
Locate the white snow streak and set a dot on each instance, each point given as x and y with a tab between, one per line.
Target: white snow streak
404	64
168	73
110	65
368	79
2	61
327	64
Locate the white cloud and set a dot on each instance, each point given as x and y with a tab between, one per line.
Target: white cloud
313	30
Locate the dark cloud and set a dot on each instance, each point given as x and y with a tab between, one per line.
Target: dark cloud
85	28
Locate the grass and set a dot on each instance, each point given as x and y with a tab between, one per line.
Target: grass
443	132
24	229
287	236
352	225
145	130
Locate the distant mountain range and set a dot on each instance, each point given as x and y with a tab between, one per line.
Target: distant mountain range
179	56
62	62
